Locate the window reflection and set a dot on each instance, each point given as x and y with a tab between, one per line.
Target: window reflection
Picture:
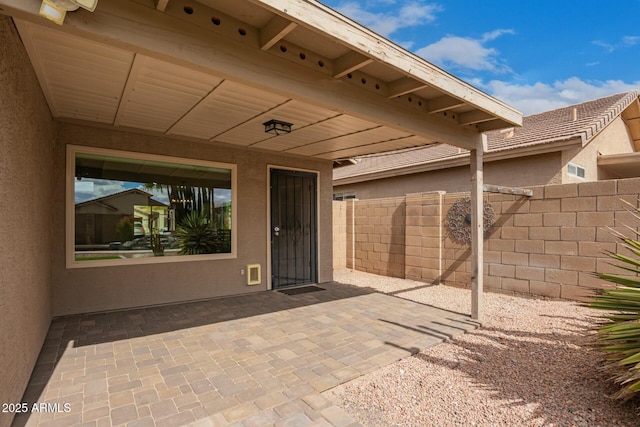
135	208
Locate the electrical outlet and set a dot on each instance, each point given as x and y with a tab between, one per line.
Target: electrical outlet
242	271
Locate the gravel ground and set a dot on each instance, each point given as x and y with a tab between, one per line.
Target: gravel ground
529	365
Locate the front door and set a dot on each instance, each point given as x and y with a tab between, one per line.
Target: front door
294	235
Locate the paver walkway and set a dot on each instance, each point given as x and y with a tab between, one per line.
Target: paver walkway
254	360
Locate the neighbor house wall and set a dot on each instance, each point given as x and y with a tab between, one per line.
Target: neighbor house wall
78	290
26	144
539	169
548	245
614	139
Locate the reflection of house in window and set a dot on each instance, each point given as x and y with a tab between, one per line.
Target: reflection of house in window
154	216
170	206
97	219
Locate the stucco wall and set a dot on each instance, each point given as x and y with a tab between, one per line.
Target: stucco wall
79	290
26	144
614	139
531	170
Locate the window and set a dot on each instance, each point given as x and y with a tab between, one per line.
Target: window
128	208
575	170
344	195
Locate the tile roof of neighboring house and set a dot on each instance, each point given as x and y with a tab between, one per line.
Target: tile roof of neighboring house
102	199
581	121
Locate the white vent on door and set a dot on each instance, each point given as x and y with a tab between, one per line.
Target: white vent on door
253	274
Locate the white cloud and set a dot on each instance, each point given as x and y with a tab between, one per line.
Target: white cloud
100	188
606	46
539	97
406	44
385	23
625	41
466	53
630	40
222	196
492	35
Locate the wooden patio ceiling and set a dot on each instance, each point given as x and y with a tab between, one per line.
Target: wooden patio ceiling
215	70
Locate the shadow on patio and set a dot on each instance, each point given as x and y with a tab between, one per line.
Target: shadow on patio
255	359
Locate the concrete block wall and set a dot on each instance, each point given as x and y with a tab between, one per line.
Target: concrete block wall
379	241
339	234
423	251
351	236
548	245
552	243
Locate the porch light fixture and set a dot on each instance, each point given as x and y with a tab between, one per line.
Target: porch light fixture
56	10
277	127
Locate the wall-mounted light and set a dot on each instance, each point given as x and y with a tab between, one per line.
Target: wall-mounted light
277	127
56	10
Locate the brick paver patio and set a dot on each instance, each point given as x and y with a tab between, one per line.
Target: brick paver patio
254	360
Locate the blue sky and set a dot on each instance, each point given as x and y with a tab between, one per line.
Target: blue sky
93	188
534	55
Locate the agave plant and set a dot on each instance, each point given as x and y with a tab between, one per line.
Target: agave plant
619	335
195	234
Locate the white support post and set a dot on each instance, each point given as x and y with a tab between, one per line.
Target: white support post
477	228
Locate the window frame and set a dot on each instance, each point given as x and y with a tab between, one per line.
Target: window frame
70	217
577	168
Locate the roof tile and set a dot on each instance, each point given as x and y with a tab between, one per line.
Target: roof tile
582	121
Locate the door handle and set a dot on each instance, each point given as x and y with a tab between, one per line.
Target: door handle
276	231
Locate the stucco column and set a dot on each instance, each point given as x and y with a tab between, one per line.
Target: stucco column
477	234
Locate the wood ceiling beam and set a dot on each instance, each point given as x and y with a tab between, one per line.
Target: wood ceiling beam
492	125
473	117
136	67
329	23
349	63
443	103
274	31
161	5
129	25
404	86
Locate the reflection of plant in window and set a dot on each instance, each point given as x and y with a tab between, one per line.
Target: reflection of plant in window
156	245
124	229
185	198
195	234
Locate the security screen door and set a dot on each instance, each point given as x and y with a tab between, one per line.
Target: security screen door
294	230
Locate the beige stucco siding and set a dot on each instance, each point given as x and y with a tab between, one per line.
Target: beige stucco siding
78	290
614	139
523	171
26	144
